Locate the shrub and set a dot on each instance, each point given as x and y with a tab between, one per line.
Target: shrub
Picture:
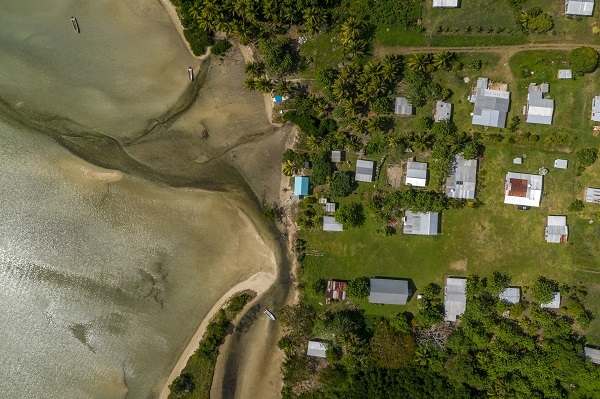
341	184
583	60
350	215
587	156
543	290
358	288
576	206
425	122
199	40
220	47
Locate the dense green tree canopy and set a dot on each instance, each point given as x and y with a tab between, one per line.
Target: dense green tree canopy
583	60
350	215
543	290
341	184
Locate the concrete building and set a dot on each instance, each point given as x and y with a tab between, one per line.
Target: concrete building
330	224
455	298
364	170
556	229
443	111
491	103
403	107
539	109
463	180
425	224
416	173
316	349
523	189
389	291
579	7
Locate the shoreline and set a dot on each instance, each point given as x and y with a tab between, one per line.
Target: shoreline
259	282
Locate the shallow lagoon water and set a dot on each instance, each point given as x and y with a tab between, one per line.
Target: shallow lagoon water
104	275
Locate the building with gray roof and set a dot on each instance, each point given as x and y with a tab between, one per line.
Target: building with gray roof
556	229
364	170
596	109
561	163
389	291
565	74
463	178
523	189
511	295
316	349
592	195
491	105
579	7
425	224
330	224
554	303
539	109
337	156
443	111
403	107
416	173
593	354
445	3
455	298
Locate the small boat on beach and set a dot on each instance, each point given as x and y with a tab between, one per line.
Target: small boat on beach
190	73
269	314
75	24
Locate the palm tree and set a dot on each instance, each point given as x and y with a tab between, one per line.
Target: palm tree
359	126
374	125
263	85
350	106
391	66
250	84
420	62
313	143
421	141
289	168
254	69
372	68
284	87
443	60
270	10
313	19
350	30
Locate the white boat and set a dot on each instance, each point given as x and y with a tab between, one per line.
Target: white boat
190	73
75	24
269	314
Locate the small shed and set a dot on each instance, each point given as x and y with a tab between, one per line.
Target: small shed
445	3
443	111
565	74
389	291
301	186
511	295
455	298
364	170
316	349
593	354
579	7
337	156
416	173
425	224
330	224
336	291
560	163
403	107
518	161
556	229
596	109
330	207
592	195
554	303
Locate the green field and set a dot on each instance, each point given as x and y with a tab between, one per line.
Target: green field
495	236
485	13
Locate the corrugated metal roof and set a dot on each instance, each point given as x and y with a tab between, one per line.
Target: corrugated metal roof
463	180
491	106
330	207
388	291
565	74
445	3
364	170
455	298
556	229
511	295
403	107
539	109
579	7
416	173
337	156
593	354
316	348
523	189
554	303
596	109
592	195
421	223
443	111
330	224
301	185
336	290
561	163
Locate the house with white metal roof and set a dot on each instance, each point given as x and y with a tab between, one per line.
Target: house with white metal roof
539	109
416	173
556	229
403	107
463	178
491	104
511	295
337	156
316	349
330	224
523	189
596	109
592	195
445	3
593	354
425	224
389	291
554	303
579	7
565	74
443	111
455	298
364	170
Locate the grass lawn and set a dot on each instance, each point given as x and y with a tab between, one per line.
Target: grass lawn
485	13
495	236
566	28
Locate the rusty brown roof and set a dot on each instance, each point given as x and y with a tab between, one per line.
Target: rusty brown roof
518	188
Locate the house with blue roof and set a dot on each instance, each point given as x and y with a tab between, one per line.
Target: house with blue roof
301	186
